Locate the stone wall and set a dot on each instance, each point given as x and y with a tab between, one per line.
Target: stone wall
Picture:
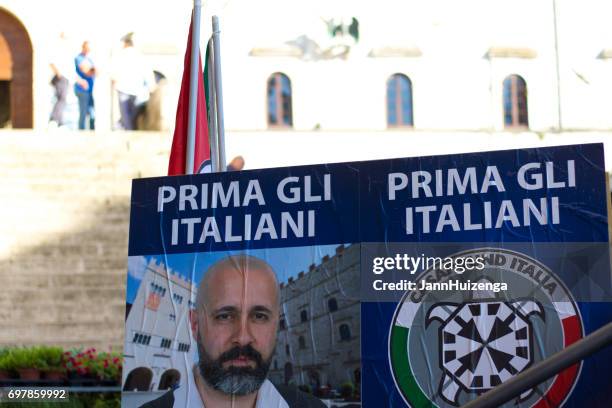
63	233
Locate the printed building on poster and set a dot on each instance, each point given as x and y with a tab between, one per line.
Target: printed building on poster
319	330
157	332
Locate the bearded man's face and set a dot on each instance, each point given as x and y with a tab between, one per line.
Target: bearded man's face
232	379
236	328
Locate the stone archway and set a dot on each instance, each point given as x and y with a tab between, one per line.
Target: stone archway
15	73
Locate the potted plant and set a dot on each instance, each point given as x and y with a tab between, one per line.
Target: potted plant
346	390
107	367
53	357
6	365
78	365
27	363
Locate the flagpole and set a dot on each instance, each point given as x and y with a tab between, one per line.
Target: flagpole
193	86
212	118
218	93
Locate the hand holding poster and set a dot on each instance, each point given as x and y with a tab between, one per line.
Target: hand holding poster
405	282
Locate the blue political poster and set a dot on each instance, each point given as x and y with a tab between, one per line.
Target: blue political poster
477	266
410	282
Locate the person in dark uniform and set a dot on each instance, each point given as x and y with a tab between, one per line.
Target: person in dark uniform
234	324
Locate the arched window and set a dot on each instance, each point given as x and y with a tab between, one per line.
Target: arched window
303	316
287	349
282	324
302	342
169	379
279	101
399	101
332	305
515	102
345	332
139	379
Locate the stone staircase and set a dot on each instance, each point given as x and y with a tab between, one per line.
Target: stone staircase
64	231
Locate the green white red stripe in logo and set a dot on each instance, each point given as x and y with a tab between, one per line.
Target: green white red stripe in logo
410	315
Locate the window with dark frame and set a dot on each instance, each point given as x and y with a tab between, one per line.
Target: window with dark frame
302	342
345	332
399	101
166	343
140	338
332	305
303	316
158	289
279	101
515	102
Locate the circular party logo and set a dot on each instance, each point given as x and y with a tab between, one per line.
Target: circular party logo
446	347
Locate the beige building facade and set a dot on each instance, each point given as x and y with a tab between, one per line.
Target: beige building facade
456	56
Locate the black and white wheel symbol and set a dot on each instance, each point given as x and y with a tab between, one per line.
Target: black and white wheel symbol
482	344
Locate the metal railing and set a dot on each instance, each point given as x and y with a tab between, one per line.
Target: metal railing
544	369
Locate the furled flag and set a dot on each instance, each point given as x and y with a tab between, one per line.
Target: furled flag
201	161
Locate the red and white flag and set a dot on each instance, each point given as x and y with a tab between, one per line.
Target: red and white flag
201	162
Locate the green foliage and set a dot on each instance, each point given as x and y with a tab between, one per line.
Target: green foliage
78	362
347	389
107	366
305	388
5	361
21	357
52	356
102	365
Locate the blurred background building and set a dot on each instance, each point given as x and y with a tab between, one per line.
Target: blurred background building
303	82
338	65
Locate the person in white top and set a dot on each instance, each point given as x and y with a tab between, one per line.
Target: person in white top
131	78
234	324
62	66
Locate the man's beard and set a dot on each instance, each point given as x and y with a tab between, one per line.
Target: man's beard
233	380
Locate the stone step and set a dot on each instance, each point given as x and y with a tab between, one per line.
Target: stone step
80	298
64	232
107	280
113	262
44	314
104	334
